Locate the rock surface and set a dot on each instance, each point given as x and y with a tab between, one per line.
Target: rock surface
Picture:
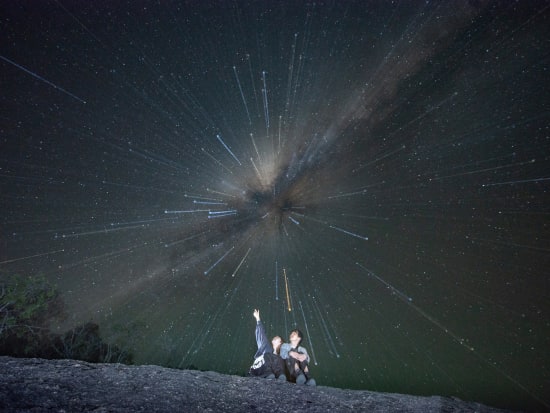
37	385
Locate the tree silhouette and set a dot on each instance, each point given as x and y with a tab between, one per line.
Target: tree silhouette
27	306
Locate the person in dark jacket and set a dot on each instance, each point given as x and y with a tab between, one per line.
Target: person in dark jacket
267	362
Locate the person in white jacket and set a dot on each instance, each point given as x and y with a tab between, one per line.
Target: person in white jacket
297	359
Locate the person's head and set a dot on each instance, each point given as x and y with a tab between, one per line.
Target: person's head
295	338
276	343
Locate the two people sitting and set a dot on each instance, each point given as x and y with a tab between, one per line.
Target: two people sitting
275	359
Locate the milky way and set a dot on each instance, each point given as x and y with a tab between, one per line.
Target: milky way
375	174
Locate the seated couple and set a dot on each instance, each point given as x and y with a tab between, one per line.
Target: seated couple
278	359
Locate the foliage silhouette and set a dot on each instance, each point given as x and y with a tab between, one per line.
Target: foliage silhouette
27	307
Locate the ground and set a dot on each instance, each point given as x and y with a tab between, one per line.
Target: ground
37	385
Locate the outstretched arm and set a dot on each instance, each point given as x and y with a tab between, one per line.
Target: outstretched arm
264	346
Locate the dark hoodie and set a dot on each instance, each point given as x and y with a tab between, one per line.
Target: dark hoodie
266	362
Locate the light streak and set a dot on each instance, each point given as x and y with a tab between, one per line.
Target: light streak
256	148
454	336
256	170
349	233
219	214
228	150
496	168
380	158
289	85
215	160
362	192
325	329
366	217
253	84
279	147
266	107
523	181
220	193
217	262
310	344
30	256
209	202
41	79
408	300
293	220
289	306
188	211
276	281
242	95
171	244
241	263
201	197
229	211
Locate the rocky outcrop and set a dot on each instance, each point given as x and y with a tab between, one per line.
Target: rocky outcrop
37	385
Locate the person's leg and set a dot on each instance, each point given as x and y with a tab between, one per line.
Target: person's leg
293	368
302	365
278	367
307	378
295	371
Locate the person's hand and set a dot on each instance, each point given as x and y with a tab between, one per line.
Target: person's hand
297	356
257	315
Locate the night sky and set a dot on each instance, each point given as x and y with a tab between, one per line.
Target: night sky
374	173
